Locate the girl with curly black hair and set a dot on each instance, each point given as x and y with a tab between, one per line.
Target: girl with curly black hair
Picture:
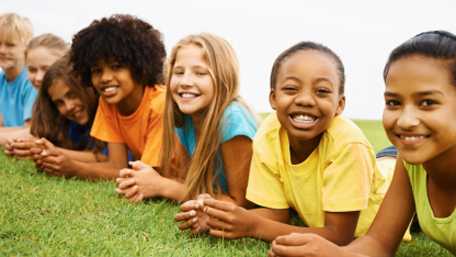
122	58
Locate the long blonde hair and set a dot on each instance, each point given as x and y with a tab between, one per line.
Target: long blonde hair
224	72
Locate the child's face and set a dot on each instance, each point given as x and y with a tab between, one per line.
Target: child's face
68	103
420	108
306	94
115	84
38	61
11	52
191	83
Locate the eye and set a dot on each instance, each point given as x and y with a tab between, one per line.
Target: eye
323	91
392	103
178	71
71	95
116	66
32	69
95	70
9	44
426	103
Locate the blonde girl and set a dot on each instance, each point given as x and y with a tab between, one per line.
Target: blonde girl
206	120
41	53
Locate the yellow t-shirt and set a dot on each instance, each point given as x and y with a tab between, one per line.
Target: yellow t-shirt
340	175
142	131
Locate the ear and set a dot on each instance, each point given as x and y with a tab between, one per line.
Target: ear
272	99
340	105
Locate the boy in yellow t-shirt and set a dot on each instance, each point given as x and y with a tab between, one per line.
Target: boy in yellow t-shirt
305	157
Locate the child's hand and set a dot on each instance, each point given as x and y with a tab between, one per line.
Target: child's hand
302	245
51	160
227	220
192	215
22	148
138	183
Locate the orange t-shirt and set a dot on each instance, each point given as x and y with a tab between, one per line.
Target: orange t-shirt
142	131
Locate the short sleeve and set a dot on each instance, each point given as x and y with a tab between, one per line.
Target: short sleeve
151	154
105	126
238	122
29	100
347	181
265	187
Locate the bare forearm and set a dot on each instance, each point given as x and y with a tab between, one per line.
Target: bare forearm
268	229
94	170
82	156
366	246
173	190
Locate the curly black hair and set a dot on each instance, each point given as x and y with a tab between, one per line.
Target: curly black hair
124	39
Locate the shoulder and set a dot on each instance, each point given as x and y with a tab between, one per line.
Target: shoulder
156	97
238	120
344	131
268	134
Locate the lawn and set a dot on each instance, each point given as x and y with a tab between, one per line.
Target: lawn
47	216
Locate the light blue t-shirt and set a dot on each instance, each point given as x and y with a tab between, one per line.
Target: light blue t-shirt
16	99
236	121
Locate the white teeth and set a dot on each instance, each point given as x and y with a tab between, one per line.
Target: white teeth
109	89
411	138
187	95
303	118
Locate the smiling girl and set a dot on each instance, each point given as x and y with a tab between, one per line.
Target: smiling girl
306	157
205	118
121	57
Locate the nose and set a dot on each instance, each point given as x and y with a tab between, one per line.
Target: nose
305	98
408	119
106	75
69	106
186	79
39	75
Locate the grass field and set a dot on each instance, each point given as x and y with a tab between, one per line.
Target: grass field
47	216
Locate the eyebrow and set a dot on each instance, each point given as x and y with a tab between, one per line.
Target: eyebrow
420	94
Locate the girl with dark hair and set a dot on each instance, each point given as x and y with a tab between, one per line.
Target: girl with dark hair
420	105
63	115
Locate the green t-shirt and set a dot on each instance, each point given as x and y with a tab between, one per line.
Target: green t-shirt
441	230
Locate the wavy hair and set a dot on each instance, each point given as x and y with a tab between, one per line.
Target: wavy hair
46	119
224	72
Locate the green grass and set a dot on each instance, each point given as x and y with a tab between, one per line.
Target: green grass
48	216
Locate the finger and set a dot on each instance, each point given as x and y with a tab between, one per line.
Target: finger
130	192
217	214
219	225
127	183
188	224
290	251
51	166
189	205
295	239
126	173
220	234
220	205
138	165
272	254
138	197
181	216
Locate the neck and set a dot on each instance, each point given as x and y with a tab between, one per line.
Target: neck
12	73
441	170
300	150
131	103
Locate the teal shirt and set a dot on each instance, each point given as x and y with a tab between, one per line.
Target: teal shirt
16	99
441	230
236	121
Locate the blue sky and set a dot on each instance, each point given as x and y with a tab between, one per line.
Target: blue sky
362	33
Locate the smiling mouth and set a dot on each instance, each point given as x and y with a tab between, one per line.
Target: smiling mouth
302	120
188	95
109	90
411	139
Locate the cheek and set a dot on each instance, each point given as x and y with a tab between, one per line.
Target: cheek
388	119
